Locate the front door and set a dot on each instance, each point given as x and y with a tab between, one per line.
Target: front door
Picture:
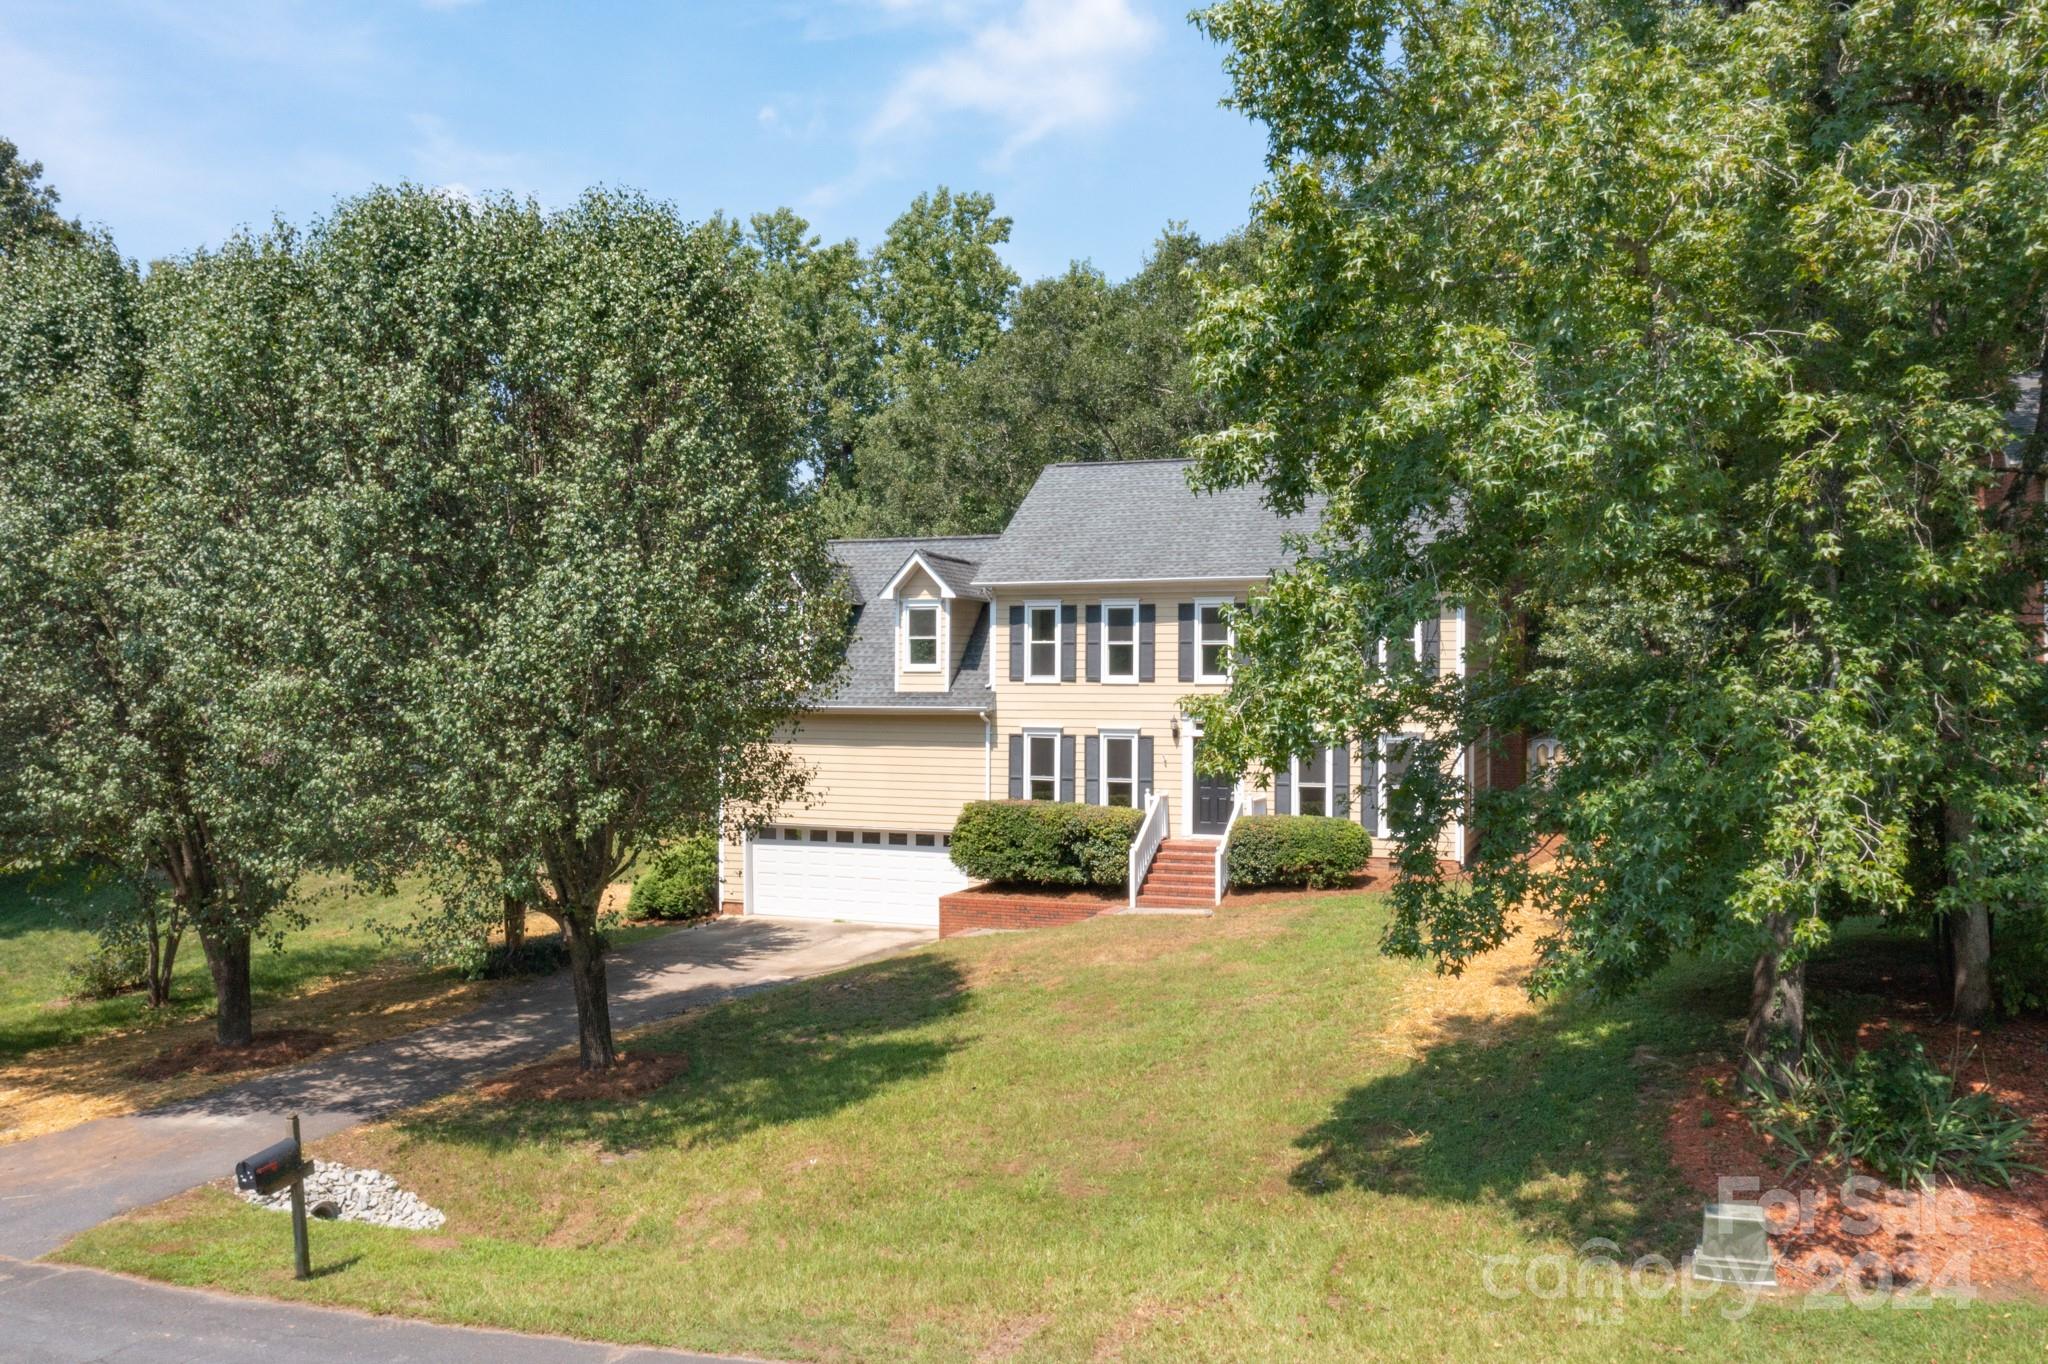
1213	798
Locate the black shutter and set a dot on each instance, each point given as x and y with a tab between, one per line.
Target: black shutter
1144	769
1340	782
1093	644
1091	769
1066	767
1016	767
1148	616
1283	787
1369	789
1068	616
1016	643
1187	641
1432	645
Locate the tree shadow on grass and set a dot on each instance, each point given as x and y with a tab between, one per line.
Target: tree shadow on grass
782	1056
1554	1116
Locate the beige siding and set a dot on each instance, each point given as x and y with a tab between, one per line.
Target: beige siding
907	772
1082	707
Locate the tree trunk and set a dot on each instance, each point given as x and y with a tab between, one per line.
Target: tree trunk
227	958
593	1003
164	933
515	923
1969	936
1774	1045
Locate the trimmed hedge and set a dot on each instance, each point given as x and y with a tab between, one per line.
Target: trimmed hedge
681	881
1296	850
1045	842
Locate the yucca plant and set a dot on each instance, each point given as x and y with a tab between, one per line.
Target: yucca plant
1893	1110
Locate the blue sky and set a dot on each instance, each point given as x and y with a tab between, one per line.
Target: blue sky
1093	122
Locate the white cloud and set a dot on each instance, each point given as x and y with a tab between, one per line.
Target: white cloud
1051	66
462	169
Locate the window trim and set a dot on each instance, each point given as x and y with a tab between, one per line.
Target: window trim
1030	775
1100	779
1326	759
939	613
1102	641
1383	822
1201	641
1058	661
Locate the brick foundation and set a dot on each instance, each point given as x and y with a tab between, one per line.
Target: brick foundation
732	908
983	907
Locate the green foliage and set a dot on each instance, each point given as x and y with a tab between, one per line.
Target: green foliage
109	967
2022	973
28	207
536	956
1894	1111
1085	369
1045	843
1679	343
1296	850
681	881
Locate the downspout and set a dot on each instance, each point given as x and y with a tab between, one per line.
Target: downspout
988	756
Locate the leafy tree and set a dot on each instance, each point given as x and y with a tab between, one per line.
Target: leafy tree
821	294
28	207
1677	341
939	287
583	593
1086	369
144	724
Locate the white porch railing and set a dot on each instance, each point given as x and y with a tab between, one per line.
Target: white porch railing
1239	804
1151	833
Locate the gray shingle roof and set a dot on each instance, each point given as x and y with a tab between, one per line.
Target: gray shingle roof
869	681
1135	520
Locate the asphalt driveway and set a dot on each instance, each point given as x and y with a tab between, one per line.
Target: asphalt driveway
53	1187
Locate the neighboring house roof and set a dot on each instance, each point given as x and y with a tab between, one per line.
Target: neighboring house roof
869	682
1139	521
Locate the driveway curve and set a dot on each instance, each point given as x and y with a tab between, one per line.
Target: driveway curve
53	1187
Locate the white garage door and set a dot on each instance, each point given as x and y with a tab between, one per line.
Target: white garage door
859	875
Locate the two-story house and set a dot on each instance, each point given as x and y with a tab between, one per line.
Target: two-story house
1045	663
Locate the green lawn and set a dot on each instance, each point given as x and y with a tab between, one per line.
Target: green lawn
1143	1139
44	927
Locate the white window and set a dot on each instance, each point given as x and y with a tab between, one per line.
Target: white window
1042	642
1396	752
1119	641
921	636
1120	769
1313	781
1212	642
1042	766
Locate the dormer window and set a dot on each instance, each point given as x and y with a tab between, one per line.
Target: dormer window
921	635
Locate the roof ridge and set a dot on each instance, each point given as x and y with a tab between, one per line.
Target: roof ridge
912	539
1110	463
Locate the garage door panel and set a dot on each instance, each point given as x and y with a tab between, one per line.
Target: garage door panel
853	881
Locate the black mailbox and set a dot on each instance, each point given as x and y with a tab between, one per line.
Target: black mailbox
272	1168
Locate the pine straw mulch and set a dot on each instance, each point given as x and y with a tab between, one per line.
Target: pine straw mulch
204	1056
1991	1239
565	1080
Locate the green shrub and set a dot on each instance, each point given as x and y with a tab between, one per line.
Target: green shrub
1296	850
112	966
1045	843
681	881
541	956
1892	1109
2019	966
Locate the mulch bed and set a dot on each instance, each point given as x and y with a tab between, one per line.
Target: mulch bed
1982	1237
566	1081
278	1048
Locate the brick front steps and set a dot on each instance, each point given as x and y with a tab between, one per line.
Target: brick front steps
1000	907
1183	876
